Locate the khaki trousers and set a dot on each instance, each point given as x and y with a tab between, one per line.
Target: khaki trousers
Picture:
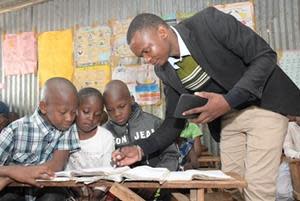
251	145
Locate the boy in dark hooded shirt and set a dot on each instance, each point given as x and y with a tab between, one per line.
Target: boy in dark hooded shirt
129	123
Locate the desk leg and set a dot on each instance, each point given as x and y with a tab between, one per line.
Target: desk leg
197	195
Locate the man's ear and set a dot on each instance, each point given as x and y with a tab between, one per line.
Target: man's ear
162	32
43	107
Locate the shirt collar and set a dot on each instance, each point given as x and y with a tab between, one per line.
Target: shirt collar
182	49
41	122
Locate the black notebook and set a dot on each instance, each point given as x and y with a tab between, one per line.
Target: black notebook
186	102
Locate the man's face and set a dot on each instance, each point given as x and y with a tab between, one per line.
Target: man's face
89	113
118	109
152	45
60	113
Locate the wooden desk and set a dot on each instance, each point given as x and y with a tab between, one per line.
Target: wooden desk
196	186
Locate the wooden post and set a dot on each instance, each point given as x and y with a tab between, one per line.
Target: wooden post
124	193
197	195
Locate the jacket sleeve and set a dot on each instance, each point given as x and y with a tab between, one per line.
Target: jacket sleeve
170	128
169	158
246	44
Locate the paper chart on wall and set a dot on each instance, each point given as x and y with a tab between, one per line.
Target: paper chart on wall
289	61
92	76
242	11
141	81
55	55
19	53
92	45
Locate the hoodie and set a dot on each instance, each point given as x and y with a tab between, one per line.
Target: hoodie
140	126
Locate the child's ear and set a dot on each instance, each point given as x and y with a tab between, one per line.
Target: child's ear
43	107
132	99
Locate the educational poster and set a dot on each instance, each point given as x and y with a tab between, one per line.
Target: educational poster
92	76
92	45
19	54
242	11
55	54
141	81
289	61
121	53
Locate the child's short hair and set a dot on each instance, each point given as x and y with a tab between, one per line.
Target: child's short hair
89	91
4	110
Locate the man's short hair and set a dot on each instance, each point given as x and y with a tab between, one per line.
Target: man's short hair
141	21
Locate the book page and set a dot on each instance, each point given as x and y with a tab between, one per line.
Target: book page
197	174
146	173
101	171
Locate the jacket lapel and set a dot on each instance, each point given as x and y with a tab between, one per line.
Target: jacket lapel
168	75
191	43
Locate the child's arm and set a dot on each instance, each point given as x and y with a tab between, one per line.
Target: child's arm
197	146
58	161
288	145
24	174
193	162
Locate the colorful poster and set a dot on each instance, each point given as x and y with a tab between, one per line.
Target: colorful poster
92	76
289	61
242	11
19	53
92	45
55	54
141	81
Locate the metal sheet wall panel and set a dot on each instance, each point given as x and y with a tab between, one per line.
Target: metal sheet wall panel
277	21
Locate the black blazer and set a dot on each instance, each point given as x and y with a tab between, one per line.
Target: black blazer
234	56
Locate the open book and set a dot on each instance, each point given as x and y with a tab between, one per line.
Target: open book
141	173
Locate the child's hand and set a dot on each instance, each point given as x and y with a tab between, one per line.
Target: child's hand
4	181
29	174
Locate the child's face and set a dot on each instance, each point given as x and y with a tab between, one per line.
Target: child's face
60	113
118	109
89	113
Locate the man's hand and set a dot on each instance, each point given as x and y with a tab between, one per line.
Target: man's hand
127	155
29	174
215	107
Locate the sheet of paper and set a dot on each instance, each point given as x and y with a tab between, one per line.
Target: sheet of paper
55	56
19	53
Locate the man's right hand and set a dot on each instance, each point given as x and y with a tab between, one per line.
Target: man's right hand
127	155
29	174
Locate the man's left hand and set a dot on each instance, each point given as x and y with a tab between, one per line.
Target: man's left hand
214	108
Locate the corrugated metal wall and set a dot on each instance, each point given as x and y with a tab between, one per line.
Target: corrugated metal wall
277	21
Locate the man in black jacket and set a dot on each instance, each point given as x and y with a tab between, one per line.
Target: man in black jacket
216	57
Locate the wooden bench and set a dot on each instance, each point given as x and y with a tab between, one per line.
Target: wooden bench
210	161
